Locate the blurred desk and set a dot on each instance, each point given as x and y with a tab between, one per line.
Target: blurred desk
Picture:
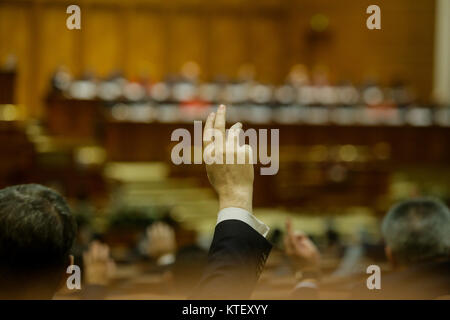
17	156
73	118
403	145
325	165
348	165
7	86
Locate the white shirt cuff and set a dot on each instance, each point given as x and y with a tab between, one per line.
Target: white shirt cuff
307	284
233	213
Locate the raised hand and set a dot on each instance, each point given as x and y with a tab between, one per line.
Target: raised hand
161	240
301	249
229	166
98	265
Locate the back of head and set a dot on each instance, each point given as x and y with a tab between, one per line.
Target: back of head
417	230
37	232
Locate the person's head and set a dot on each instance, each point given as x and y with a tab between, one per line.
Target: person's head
37	232
417	230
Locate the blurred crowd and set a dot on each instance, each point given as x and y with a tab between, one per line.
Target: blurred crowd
305	97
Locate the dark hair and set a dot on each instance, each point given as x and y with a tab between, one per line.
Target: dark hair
418	230
37	232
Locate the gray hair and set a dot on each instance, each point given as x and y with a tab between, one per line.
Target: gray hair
417	230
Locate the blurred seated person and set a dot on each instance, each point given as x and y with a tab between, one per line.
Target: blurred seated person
417	238
182	264
162	245
98	270
180	269
37	232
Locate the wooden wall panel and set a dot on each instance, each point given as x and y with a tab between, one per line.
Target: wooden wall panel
229	45
158	37
267	49
148	45
58	47
188	36
102	33
15	39
403	48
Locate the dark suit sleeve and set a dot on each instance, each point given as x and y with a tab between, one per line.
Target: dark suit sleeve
235	261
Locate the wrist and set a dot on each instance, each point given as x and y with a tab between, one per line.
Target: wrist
237	198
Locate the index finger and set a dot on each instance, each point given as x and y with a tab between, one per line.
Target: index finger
219	122
289	227
208	126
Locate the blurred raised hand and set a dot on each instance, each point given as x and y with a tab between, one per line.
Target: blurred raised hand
98	265
161	240
229	166
302	251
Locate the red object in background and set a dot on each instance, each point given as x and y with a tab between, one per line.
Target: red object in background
195	103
